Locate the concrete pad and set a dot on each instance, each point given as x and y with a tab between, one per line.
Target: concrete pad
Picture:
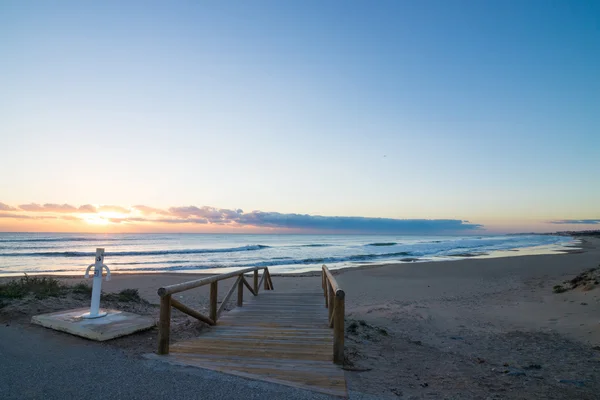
115	324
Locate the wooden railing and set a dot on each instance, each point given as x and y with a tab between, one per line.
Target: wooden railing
166	301
335	302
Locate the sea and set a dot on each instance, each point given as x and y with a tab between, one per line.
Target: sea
70	254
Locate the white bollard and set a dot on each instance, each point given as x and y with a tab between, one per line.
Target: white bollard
97	284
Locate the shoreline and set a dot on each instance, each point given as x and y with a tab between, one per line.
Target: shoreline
544	250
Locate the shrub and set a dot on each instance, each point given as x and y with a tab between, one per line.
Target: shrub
41	288
559	289
125	295
82	288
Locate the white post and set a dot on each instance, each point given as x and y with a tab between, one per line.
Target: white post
97	285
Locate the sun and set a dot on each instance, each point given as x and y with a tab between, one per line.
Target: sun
103	217
95	219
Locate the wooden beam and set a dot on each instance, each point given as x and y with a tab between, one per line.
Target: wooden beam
330	296
262	278
324	286
248	286
266	279
164	325
338	327
180	287
189	311
214	290
227	297
331	279
240	291
269	278
255	282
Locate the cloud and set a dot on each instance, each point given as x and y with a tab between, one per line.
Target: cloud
24	216
69	217
212	214
116	209
48	207
160	220
31	207
87	208
183	221
355	224
59	208
6	207
17	216
577	221
150	210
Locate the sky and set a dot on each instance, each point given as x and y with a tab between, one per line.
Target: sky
399	116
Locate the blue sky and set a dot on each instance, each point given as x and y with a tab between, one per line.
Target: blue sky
486	111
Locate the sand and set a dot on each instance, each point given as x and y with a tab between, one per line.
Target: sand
476	328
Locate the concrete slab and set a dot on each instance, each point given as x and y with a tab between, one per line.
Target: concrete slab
115	324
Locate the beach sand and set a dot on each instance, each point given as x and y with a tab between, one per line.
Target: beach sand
475	328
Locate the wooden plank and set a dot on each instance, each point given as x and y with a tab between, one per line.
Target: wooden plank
271	287
262	278
250	336
189	311
231	344
256	335
274	354
287	363
248	286
286	366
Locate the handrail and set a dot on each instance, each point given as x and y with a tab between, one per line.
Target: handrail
335	303
166	302
180	287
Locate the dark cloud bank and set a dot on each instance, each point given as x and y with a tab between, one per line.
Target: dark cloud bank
211	215
577	221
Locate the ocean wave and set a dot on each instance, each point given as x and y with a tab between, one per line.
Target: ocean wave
150	262
135	253
383	244
315	245
274	262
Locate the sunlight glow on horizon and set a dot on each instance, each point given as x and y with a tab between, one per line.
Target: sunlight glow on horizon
139	219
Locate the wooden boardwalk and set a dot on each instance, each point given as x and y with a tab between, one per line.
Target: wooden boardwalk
275	337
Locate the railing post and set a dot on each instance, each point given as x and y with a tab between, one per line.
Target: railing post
240	290
330	296
338	327
266	279
164	325
255	282
214	290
